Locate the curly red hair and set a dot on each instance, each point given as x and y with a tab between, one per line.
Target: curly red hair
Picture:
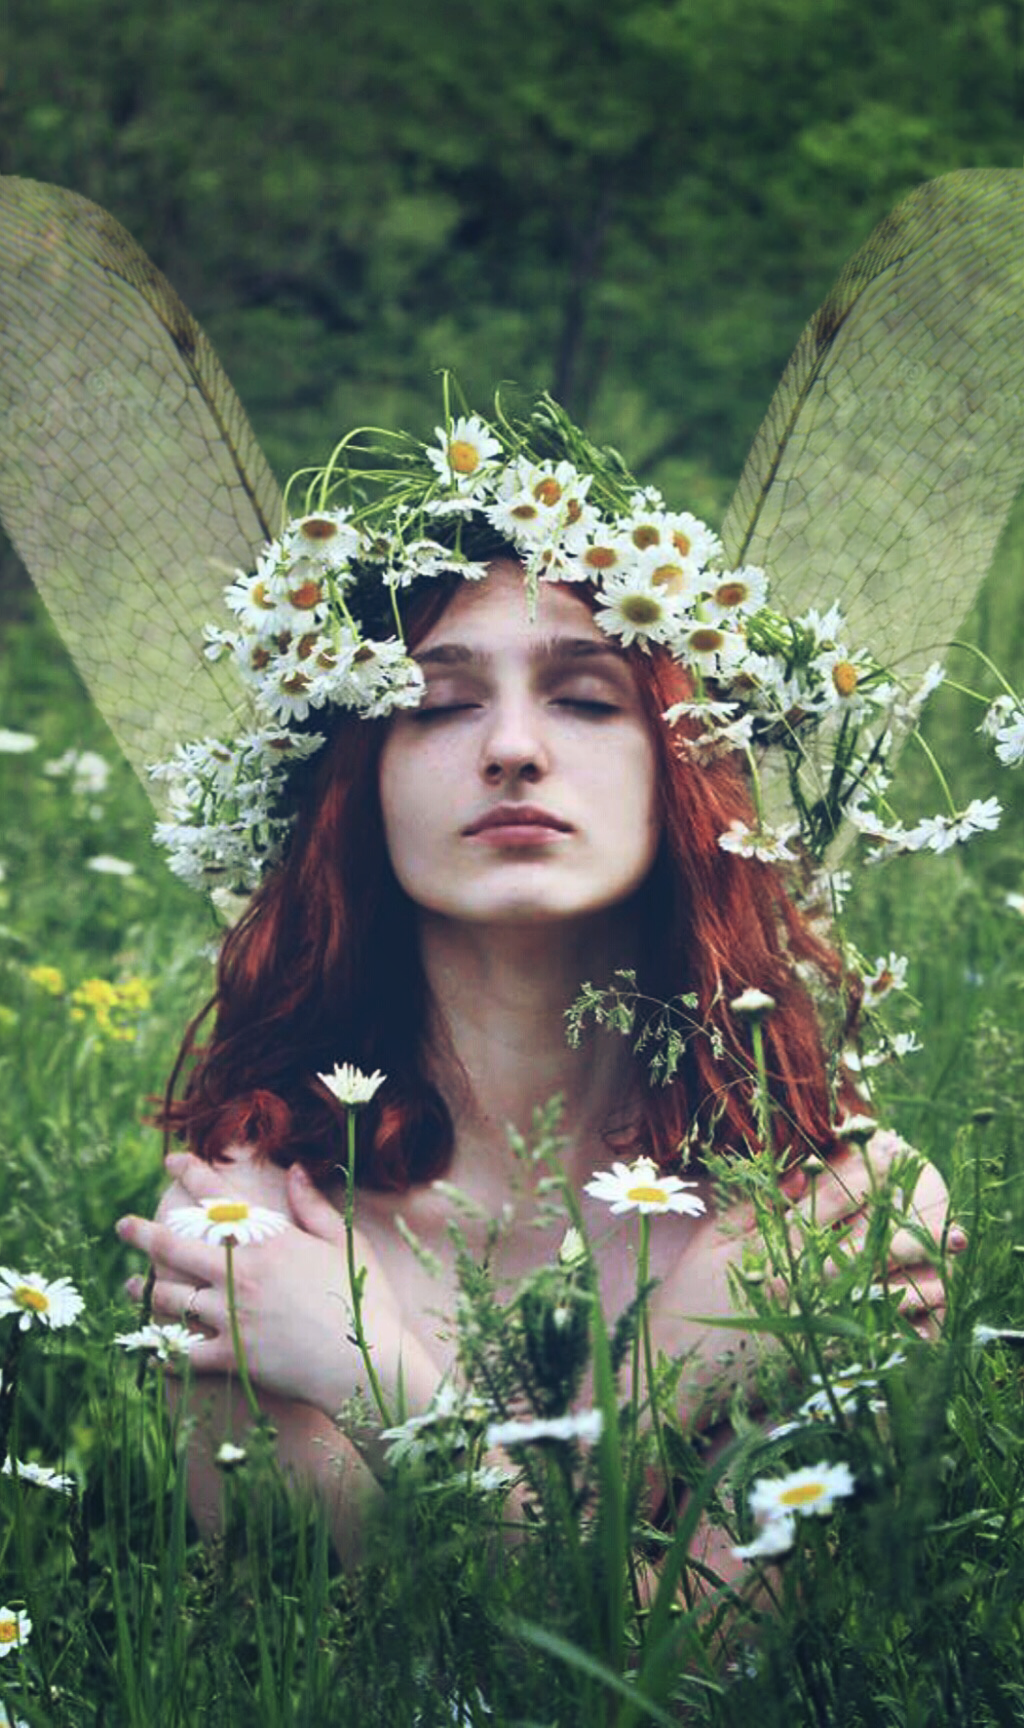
324	967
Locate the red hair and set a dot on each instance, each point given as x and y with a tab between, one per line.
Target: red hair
324	967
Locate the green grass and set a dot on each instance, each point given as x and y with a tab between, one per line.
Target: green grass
903	1610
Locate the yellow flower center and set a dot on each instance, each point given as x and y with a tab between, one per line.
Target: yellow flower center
682	542
523	512
318	528
601	557
671	577
34	1300
259	596
573	510
259	659
646	535
228	1211
640	609
464	458
295	685
641	1195
731	593
844	677
706	641
803	1494
548	491
8	1632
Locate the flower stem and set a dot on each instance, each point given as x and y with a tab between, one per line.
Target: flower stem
236	1335
652	1400
356	1277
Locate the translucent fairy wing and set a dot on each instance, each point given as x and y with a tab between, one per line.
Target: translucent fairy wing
131	482
893	448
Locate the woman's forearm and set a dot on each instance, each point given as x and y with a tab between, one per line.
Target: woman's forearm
315	1457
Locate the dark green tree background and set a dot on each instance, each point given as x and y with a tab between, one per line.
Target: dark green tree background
635	204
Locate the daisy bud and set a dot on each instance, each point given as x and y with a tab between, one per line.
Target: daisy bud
753	1004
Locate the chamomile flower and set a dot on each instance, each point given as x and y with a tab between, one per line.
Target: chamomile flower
465	451
40	1475
227	1218
770	846
105	864
634	610
711	649
34	1299
775	1538
642	1187
743	590
326	538
887	975
942	833
812	1490
752	1004
16	743
162	1341
586	1426
15	1629
350	1085
1010	740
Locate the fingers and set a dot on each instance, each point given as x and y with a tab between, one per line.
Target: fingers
311	1210
192	1262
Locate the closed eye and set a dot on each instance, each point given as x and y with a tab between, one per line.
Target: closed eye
440	711
596	709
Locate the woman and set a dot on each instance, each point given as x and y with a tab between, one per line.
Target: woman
455	873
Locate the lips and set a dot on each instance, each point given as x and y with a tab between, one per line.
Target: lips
517	816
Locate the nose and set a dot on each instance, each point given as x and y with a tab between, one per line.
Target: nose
514	746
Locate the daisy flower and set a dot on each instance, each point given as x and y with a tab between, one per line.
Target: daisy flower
752	1003
1010	740
350	1085
888	975
164	1341
983	1334
16	743
585	1426
105	864
41	1475
634	610
771	846
14	1630
641	1185
941	833
813	1489
712	649
743	590
465	450
325	538
777	1537
226	1219
33	1298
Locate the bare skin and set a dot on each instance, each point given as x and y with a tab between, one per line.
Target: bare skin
509	925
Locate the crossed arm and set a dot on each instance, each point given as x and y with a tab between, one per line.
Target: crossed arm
293	1306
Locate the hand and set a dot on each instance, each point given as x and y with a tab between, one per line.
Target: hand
842	1196
292	1295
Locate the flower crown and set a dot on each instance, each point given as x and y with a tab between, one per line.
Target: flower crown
318	626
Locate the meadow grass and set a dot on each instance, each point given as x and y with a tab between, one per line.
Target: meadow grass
902	1608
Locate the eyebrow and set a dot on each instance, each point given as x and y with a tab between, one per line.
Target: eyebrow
552	648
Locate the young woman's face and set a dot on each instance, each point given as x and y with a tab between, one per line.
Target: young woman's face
523	789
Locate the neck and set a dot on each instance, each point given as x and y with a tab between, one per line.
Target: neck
498	1044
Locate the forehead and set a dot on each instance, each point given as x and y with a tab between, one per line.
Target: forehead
492	614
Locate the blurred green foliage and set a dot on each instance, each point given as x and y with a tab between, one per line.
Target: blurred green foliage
636	206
